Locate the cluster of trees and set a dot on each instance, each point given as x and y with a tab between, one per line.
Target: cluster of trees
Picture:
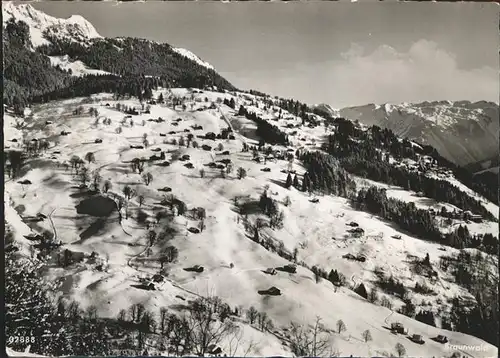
269	133
30	77
294	107
230	103
313	342
132	56
473	272
480	321
270	207
260	319
324	174
335	277
13	162
461	238
406	215
358	154
392	285
26	73
61	327
48	327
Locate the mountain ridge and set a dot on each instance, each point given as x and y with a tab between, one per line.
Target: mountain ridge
462	131
215	191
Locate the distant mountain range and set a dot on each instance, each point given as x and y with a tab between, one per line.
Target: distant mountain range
237	220
463	132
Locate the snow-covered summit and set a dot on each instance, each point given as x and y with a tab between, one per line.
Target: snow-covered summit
462	131
75	28
193	57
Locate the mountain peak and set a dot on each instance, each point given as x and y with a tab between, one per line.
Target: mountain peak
452	127
75	28
193	57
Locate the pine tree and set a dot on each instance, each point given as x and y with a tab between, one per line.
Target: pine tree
306	183
361	290
289	181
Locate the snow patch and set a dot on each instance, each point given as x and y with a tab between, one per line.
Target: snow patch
78	68
76	27
193	57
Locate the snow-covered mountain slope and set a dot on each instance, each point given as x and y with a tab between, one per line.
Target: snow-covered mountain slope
461	131
319	231
488	165
75	28
192	56
77	68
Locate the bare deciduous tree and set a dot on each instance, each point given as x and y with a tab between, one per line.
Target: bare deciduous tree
90	157
367	336
205	328
340	326
234	345
96	179
148	178
107	186
311	342
252	314
400	349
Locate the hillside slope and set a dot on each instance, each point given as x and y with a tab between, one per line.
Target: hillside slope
148	203
462	132
48	58
122	244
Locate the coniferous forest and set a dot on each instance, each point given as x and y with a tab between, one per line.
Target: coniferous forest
358	154
135	65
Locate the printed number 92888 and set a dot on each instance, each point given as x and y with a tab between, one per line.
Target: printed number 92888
22	339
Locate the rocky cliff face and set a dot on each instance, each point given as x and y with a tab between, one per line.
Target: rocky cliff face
462	131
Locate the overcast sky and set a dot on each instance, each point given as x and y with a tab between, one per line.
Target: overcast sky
337	53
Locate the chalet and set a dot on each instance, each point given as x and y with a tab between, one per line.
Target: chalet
417	338
441	339
290	268
271	271
397	327
214	350
357	232
158	278
210	135
273	291
67	257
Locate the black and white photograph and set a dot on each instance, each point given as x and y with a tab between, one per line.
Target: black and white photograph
251	179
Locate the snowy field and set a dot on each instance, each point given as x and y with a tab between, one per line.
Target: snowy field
318	230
